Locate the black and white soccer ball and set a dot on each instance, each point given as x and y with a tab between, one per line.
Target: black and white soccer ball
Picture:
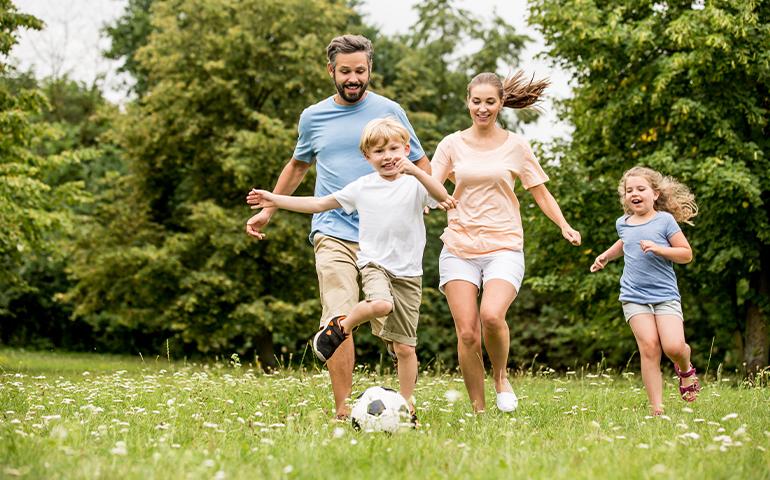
380	409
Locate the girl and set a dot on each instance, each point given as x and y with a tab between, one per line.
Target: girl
483	242
651	242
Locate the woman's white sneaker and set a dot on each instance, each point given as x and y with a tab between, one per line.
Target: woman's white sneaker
507	401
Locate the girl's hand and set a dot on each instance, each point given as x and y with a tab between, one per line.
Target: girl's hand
599	263
572	235
649	246
260	199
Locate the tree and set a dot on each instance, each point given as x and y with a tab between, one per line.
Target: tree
683	87
31	207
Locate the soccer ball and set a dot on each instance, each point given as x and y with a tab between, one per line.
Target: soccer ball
380	409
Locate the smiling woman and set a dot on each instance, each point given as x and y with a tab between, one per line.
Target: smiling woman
483	241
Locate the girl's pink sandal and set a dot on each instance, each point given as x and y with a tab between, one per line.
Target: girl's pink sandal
690	392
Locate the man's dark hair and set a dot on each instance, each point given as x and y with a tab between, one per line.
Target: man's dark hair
349	44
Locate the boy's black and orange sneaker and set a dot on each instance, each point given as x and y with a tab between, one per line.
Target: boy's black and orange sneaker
326	341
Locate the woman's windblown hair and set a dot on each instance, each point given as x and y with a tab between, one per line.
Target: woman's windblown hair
517	91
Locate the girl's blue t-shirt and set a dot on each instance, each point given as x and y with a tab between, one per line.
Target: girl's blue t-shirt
647	278
329	134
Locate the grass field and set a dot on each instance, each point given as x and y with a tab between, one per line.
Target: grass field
94	416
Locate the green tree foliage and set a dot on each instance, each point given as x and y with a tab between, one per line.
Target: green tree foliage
682	87
67	127
226	82
32	208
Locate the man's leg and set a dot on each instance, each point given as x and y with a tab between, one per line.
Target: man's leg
338	287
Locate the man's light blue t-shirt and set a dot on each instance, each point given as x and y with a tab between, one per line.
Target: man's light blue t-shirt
647	278
329	134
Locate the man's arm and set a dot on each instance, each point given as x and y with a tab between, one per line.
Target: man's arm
288	181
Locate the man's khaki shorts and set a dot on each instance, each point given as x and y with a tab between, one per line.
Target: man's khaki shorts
405	293
335	264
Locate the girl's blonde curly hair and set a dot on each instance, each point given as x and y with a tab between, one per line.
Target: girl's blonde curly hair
673	197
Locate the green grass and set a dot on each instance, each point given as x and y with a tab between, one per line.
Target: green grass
95	416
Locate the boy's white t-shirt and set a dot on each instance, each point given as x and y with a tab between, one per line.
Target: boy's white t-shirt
391	228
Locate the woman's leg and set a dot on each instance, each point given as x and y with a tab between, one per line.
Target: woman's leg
461	297
646	332
495	301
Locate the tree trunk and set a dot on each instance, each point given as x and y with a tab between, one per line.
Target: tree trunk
757	342
265	351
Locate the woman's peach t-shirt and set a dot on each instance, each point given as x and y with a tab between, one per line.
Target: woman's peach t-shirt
487	217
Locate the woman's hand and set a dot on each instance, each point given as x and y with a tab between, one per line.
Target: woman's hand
572	235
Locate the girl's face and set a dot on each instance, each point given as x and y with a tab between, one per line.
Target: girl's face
484	104
640	197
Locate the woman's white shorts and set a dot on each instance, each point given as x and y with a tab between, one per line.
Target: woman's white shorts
506	265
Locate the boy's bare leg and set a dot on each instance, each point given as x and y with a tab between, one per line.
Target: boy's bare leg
365	311
407	371
341	372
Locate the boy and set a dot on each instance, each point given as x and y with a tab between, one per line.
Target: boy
390	203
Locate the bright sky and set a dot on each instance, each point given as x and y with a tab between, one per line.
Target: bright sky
72	43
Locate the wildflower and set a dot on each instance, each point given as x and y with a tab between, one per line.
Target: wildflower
288	469
452	396
120	449
729	416
643	446
338	432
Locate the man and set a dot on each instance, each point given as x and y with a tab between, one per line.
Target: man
329	135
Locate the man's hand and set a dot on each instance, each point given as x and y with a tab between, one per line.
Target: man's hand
255	224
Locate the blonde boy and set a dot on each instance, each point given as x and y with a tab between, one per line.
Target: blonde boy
389	203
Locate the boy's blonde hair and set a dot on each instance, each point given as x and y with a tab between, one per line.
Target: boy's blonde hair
380	131
673	197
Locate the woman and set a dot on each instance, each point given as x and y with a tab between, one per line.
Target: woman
483	242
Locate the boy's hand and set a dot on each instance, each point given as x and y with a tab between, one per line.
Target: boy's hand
572	235
448	203
404	165
260	199
599	263
649	246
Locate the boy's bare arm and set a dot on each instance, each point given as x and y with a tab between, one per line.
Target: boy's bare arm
265	199
434	187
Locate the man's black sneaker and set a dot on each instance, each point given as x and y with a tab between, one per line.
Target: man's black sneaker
326	341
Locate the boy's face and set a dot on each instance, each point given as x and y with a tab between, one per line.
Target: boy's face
383	157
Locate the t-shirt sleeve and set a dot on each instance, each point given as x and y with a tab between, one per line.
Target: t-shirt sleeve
347	196
531	174
303	151
442	159
425	199
619	227
672	228
415	149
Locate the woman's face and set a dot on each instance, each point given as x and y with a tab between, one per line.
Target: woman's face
484	104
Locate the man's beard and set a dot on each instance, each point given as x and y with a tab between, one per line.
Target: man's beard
351	98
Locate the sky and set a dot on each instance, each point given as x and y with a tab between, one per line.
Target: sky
72	42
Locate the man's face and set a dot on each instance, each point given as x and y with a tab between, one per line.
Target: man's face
351	76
